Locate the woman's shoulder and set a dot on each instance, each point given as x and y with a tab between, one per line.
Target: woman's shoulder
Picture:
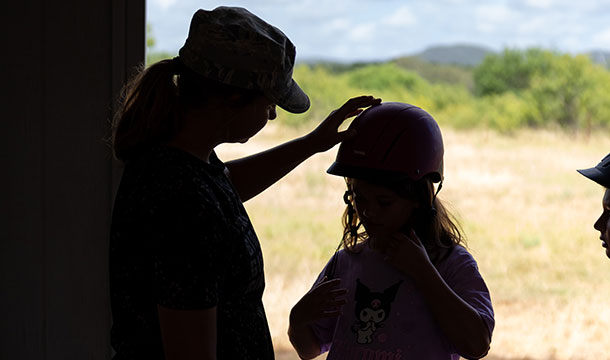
164	175
169	166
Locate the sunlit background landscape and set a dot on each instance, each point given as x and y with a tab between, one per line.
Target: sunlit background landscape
518	119
528	217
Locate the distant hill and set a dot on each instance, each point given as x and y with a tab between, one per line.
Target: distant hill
600	57
464	55
438	73
460	55
472	55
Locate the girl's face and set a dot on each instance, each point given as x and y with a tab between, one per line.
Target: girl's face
382	211
248	120
603	223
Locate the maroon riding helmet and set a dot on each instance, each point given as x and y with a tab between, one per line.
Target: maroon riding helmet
394	141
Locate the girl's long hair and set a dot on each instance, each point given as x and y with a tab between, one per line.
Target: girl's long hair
436	227
153	102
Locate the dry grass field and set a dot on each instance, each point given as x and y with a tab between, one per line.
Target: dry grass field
527	215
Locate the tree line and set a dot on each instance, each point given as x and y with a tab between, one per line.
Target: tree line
533	88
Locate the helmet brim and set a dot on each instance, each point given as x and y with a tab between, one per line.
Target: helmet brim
374	175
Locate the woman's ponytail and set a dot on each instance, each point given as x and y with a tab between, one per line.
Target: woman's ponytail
149	110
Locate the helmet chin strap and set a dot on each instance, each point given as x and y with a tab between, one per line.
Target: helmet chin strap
346	199
433	211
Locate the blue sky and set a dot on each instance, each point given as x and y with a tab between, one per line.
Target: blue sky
364	30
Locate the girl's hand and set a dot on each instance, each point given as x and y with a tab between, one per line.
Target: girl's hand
407	253
327	134
323	301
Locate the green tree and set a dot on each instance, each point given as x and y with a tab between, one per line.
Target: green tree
385	77
573	94
549	89
150	39
152	56
512	70
438	73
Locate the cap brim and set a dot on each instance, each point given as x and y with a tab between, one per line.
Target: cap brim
293	99
597	176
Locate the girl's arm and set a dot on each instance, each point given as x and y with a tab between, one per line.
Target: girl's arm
322	301
459	321
253	174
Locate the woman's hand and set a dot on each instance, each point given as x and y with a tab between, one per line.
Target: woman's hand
407	253
327	134
322	301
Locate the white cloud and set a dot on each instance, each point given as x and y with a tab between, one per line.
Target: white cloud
539	4
401	17
359	29
313	10
362	33
580	6
342	52
492	17
572	43
165	4
335	26
494	12
537	24
602	39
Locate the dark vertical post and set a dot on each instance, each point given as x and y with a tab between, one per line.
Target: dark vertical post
65	64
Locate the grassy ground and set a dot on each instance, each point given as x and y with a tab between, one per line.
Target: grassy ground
526	213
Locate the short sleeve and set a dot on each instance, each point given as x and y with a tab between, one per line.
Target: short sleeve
187	263
467	282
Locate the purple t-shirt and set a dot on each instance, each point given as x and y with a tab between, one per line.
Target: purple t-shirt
386	316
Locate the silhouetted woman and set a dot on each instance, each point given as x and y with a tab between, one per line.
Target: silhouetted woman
186	269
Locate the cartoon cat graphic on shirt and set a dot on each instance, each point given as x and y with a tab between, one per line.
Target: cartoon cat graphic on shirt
371	310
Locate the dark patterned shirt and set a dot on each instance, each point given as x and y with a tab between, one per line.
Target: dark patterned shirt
181	238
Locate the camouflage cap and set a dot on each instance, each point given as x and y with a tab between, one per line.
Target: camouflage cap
600	173
235	47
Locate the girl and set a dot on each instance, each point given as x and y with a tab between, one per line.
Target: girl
186	270
410	290
601	175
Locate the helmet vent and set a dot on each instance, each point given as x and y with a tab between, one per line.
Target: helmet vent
389	150
359	153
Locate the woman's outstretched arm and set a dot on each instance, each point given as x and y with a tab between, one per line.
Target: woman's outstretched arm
253	174
188	334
